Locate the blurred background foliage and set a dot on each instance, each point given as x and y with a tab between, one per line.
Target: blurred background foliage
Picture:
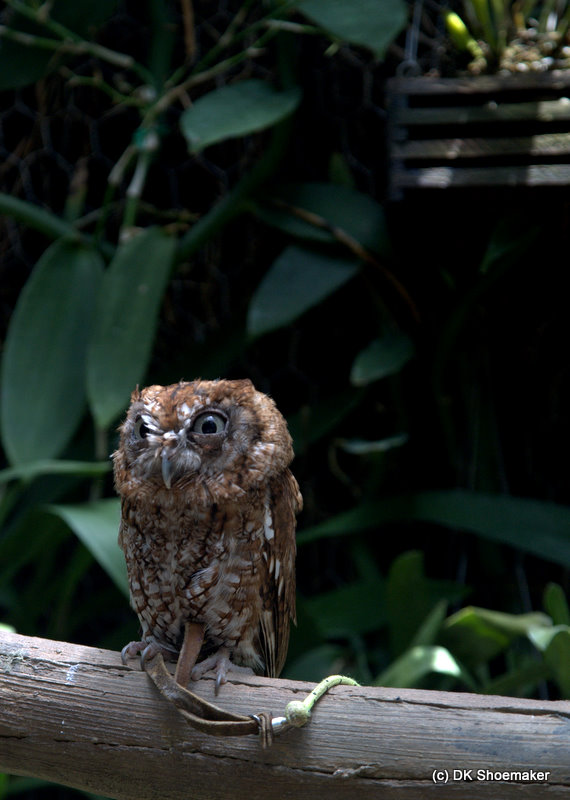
201	192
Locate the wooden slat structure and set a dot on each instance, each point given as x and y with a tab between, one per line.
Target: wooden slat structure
485	131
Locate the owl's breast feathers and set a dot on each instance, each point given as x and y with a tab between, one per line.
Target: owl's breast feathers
231	568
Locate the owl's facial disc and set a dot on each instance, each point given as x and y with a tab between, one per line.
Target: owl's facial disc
179	448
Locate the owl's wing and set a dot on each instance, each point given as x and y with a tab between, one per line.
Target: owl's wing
278	584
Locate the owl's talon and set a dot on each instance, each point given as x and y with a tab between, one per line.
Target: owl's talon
150	651
147	650
131	650
220	664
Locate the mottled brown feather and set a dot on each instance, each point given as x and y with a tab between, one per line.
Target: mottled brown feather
217	546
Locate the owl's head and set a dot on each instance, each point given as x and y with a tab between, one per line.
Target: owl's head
220	436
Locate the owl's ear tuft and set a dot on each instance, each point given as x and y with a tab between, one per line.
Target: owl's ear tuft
243	384
136	394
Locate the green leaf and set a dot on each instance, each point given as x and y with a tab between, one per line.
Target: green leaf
314	664
555	644
363	447
43	368
556	605
236	110
534	526
83	17
340	207
291	224
537	527
521	680
22	64
513	235
416	663
362	517
356	608
476	635
339	172
8	628
429	629
407	599
543	635
96	524
26	472
382	357
127	318
314	421
368	23
298	280
416	604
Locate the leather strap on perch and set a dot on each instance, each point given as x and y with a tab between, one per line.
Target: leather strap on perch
201	714
212	719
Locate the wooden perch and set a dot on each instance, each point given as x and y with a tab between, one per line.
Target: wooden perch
77	716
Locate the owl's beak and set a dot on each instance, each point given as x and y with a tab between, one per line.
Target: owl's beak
166	469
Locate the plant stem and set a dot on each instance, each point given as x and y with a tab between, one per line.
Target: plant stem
235	203
161	44
29	40
196	78
45	222
98	83
36	15
68	41
227	37
105	210
546	11
292	27
74	46
135	188
189	30
38	218
259	24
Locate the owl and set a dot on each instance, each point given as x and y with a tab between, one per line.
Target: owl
208	508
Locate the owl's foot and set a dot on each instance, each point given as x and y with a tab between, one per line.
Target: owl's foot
219	662
148	650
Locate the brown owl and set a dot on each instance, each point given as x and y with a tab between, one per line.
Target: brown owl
208	522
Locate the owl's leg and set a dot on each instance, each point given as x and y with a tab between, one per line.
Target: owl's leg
193	638
219	662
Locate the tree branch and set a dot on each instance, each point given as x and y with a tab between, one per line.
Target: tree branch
77	716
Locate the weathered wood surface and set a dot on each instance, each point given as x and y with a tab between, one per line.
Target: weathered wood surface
513	131
77	716
555	81
548	144
490	115
465	177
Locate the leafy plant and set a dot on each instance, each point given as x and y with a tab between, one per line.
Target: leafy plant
510	36
423	647
85	324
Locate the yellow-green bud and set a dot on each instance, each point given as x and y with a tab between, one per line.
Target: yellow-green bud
459	34
457	30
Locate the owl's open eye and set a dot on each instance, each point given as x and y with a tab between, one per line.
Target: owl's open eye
141	430
209	423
